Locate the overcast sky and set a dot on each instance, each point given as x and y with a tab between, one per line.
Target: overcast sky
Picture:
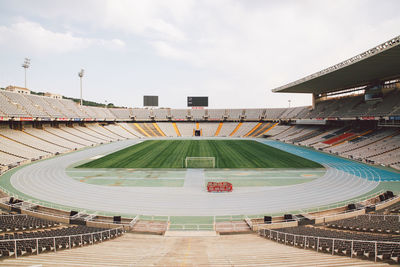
235	51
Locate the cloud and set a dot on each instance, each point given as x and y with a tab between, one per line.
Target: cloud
224	47
150	19
32	37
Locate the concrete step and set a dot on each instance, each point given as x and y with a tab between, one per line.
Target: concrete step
153	250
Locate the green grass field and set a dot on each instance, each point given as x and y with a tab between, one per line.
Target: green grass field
228	154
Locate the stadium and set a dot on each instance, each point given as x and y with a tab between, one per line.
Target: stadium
92	185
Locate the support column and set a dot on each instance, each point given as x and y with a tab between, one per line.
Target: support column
313	100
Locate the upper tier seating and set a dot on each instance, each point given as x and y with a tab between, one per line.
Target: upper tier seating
253	114
141	114
74	108
274	113
57	105
27	105
121	113
197	114
41	103
216	114
356	106
161	113
179	114
21	105
10	109
234	114
290	113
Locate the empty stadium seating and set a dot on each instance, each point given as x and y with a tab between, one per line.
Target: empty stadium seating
336	242
15	223
369	223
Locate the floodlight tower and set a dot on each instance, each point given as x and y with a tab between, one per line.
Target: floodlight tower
80	74
25	65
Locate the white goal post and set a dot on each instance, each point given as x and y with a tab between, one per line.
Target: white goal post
200	162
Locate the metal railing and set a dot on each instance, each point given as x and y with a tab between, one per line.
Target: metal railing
191	226
104	235
305	241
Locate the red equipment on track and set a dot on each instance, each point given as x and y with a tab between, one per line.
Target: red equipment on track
219	187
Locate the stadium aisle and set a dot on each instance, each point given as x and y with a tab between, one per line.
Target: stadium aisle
151	250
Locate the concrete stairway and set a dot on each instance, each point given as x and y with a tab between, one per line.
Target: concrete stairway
152	250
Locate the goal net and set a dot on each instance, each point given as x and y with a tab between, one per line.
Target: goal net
200	162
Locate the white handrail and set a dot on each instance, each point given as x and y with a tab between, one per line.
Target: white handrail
332	238
375	242
64	236
59	237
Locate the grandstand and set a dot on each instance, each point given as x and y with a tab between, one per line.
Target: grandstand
350	130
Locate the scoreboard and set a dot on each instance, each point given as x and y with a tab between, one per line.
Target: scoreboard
197	101
150	101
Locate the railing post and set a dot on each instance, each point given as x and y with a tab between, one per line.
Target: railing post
15	248
92	239
69	242
37	246
305	241
54	243
352	248
81	241
317	244
109	234
101	235
285	238
376	250
294	241
333	247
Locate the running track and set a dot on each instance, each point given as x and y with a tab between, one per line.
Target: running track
344	179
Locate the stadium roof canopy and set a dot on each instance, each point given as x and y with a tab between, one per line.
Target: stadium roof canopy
377	64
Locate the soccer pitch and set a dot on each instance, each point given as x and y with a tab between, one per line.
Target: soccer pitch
228	154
